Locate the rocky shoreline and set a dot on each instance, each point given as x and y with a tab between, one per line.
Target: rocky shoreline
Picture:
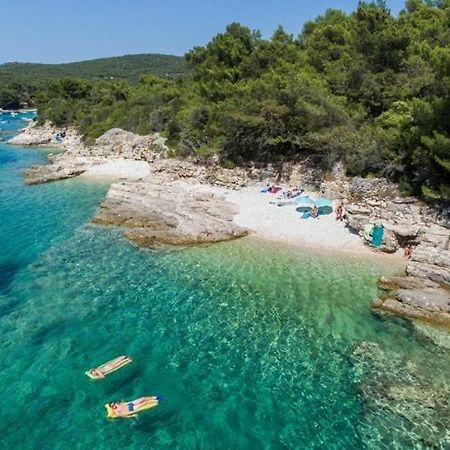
167	214
424	294
156	209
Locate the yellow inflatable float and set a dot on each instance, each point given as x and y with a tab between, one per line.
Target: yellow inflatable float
130	409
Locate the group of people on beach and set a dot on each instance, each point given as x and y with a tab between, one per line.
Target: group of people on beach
288	194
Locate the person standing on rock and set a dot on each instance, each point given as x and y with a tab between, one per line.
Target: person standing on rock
408	251
340	212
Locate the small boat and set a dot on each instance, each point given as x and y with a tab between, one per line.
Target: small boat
130	409
111	366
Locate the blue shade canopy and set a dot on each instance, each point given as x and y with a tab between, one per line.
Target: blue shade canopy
322	202
304	200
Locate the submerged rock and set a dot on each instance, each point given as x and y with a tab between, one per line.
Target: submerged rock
438	336
405	404
168	214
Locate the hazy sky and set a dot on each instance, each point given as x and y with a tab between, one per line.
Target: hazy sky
72	30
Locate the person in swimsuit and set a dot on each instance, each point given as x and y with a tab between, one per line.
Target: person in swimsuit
340	212
408	251
96	373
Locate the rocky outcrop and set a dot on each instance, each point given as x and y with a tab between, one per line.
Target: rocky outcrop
375	201
46	174
210	172
119	143
33	136
168	214
394	283
406	221
428	304
114	145
425	293
431	259
46	136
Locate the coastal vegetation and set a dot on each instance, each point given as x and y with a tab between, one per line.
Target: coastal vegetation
366	88
19	82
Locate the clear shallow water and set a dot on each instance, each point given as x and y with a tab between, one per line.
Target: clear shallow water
248	342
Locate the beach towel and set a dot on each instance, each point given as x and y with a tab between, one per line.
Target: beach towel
377	235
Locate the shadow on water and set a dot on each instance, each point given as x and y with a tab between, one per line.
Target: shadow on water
124	380
46	332
151	423
8	271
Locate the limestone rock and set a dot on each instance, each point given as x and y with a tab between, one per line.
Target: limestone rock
390	243
168	214
430	299
430	271
405	232
437	236
432	255
120	143
46	174
374	187
44	136
392	306
32	139
394	283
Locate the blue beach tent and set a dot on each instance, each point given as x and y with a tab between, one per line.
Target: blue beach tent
304	200
377	235
324	206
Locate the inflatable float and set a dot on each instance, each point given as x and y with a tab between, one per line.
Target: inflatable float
111	366
130	409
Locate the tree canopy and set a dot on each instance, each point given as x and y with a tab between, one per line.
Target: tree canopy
366	88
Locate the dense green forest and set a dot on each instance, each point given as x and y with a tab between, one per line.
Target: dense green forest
366	88
19	82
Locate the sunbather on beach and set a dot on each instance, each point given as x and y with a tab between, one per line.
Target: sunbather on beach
340	212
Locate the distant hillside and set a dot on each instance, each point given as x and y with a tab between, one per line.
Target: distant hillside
128	67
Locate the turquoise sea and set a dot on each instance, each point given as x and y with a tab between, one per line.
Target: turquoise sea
251	344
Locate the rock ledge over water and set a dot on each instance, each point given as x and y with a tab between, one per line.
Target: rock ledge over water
170	214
